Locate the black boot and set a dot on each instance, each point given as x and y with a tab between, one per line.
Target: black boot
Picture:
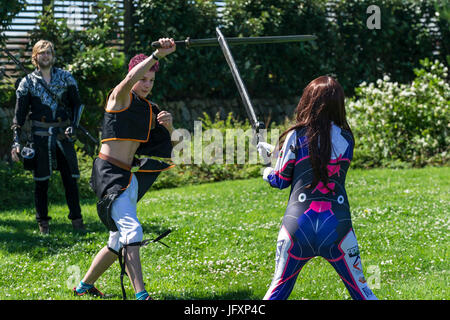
78	225
44	227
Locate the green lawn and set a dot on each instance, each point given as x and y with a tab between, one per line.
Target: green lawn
224	238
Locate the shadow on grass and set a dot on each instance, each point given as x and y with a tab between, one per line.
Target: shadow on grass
227	296
231	295
24	237
27	201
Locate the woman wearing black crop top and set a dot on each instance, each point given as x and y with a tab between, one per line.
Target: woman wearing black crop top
132	125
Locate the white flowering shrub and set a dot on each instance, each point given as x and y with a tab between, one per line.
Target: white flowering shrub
403	124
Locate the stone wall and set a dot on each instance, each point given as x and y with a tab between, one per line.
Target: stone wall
186	112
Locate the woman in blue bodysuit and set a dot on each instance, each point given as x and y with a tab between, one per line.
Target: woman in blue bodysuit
314	160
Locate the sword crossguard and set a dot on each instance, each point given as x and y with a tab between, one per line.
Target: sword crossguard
260	125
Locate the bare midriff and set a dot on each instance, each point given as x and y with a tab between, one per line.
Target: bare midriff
122	150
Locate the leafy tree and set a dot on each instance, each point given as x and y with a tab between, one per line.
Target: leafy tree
186	72
8	10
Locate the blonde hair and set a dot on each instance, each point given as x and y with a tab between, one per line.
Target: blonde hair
40	46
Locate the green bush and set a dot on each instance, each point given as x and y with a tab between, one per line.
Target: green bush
97	70
407	34
280	70
193	173
185	73
68	41
8	10
407	124
345	48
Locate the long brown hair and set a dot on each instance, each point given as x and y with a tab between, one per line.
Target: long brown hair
322	102
40	46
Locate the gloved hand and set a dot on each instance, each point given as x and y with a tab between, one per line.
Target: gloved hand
264	149
266	172
15	151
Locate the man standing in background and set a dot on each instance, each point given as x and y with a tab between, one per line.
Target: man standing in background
49	97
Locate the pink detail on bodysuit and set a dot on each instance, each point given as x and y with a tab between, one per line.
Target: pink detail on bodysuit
333	169
278	173
281	177
321	187
336	160
284	167
320	206
292	275
334	166
298	258
306	157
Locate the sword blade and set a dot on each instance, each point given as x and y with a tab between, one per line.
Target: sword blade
80	113
256	125
95	141
210	42
237	79
16	61
163	235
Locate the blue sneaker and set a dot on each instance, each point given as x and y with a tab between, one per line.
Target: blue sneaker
92	291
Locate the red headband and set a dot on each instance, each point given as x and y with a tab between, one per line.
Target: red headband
138	59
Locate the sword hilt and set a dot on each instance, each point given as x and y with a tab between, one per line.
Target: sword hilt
185	43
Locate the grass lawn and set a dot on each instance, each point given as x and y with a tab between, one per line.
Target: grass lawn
224	239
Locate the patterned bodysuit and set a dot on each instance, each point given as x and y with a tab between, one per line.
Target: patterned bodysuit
317	221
